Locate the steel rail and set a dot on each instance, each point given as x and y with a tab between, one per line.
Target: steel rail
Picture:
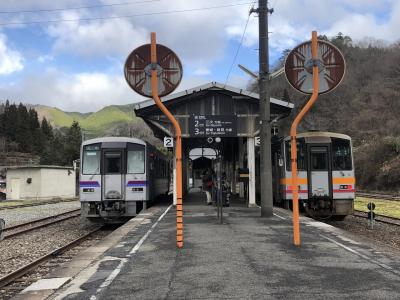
374	195
378	218
36	204
38	226
5	280
40	220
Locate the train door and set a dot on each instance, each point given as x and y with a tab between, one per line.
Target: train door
319	171
113	181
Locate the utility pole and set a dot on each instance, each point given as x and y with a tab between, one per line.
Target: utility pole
265	114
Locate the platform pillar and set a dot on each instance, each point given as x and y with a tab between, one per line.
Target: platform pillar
241	159
251	164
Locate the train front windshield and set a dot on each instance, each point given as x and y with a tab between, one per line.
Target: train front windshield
91	159
341	152
341	156
112	164
135	159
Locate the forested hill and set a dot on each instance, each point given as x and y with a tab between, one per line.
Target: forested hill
54	137
365	106
100	121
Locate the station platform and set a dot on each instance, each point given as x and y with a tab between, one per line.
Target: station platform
246	257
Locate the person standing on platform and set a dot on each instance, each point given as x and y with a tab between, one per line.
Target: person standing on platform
208	185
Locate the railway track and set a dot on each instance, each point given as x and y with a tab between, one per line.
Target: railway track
35	204
378	218
377	195
36	224
13	276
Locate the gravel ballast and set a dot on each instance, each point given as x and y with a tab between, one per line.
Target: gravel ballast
20	250
26	214
383	234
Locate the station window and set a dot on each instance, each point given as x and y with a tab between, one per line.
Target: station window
341	153
301	155
91	159
136	159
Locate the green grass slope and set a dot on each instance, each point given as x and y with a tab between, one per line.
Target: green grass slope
107	117
56	116
101	120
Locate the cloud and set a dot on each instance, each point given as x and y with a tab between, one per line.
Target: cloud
96	38
293	21
204	40
359	26
82	92
10	60
201	71
197	37
45	58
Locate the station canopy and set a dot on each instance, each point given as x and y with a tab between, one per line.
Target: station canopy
210	110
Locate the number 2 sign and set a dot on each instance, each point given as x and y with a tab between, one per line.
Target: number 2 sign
168	142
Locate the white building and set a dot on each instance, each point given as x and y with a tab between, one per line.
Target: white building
40	182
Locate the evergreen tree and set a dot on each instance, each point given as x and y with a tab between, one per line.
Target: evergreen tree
23	134
33	119
73	141
53	153
10	117
47	156
47	129
37	146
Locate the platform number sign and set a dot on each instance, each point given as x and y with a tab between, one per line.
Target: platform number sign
257	141
168	142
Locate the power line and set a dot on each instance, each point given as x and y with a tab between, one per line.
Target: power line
76	8
239	46
126	16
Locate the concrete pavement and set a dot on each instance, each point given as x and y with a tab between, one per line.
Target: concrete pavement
246	258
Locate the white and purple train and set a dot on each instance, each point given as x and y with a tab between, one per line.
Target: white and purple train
119	177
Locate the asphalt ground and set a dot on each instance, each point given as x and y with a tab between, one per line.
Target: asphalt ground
247	257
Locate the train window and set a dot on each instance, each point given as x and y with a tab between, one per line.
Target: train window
319	158
341	154
91	159
301	155
136	159
112	162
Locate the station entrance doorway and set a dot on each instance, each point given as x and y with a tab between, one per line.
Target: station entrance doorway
220	125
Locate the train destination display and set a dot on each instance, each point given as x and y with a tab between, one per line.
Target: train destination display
212	125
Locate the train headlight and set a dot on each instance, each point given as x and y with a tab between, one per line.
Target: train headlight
88	190
137	189
344	187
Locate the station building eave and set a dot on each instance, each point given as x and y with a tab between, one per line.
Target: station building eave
210	99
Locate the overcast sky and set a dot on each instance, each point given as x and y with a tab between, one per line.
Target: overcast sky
76	62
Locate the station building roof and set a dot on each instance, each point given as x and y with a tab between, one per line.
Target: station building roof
211	86
215	99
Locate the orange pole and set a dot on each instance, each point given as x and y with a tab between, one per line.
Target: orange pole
293	133
178	147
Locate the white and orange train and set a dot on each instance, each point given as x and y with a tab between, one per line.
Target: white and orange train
326	179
